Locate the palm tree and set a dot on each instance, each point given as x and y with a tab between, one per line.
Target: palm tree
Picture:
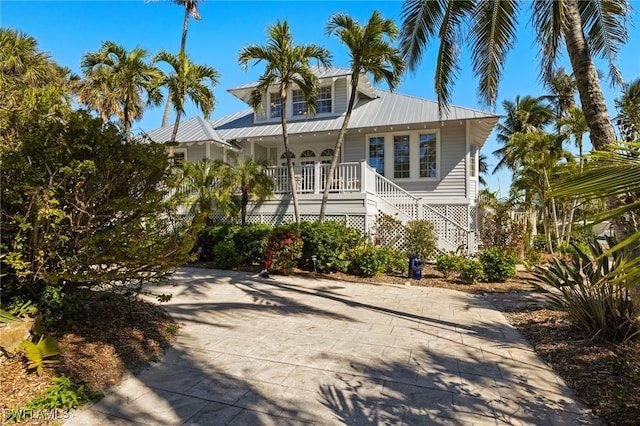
586	27
190	9
371	52
115	81
200	188
524	115
628	106
562	91
573	124
187	80
483	169
248	178
287	65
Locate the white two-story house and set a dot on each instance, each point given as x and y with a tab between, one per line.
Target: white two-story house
400	157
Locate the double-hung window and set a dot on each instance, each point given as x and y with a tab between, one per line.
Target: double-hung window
401	161
276	105
428	155
376	153
299	103
324	100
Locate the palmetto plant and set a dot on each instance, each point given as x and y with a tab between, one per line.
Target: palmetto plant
583	286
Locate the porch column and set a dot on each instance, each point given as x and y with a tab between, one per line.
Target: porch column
364	176
316	178
207	149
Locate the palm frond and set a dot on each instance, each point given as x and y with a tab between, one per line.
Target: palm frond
493	35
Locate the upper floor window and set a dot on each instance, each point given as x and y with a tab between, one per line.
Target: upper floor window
401	161
324	99
428	157
299	103
276	105
376	154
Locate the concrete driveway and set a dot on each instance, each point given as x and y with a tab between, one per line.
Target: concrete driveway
284	350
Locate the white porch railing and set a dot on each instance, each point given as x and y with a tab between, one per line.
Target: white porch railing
310	179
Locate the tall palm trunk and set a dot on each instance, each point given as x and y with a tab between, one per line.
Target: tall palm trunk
183	45
336	152
175	126
593	102
285	139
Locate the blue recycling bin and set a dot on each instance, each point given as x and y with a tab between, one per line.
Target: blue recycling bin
412	262
417	270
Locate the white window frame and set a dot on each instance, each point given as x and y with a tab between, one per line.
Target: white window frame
271	105
414	154
331	101
295	105
175	151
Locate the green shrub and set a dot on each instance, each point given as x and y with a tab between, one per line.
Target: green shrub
471	270
225	255
396	262
532	258
249	241
449	263
210	237
421	238
540	242
330	242
582	286
368	260
63	395
498	264
284	249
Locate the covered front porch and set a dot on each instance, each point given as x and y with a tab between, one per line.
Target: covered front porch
312	178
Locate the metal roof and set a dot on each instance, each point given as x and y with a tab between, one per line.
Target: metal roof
194	129
243	92
388	109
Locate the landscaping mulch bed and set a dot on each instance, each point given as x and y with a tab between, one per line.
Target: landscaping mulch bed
104	344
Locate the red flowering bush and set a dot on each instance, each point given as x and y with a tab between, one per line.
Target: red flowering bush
368	260
498	264
284	249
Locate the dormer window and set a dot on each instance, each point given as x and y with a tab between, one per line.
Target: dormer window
324	100
276	105
299	103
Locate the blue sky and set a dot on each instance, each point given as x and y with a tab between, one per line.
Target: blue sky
68	29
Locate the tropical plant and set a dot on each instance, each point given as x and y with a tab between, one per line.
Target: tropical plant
615	172
421	238
561	89
246	179
449	263
471	270
200	188
371	52
40	354
287	65
80	207
368	260
116	81
585	28
584	286
524	115
498	264
63	395
330	242
190	9
284	249
628	106
31	85
187	80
